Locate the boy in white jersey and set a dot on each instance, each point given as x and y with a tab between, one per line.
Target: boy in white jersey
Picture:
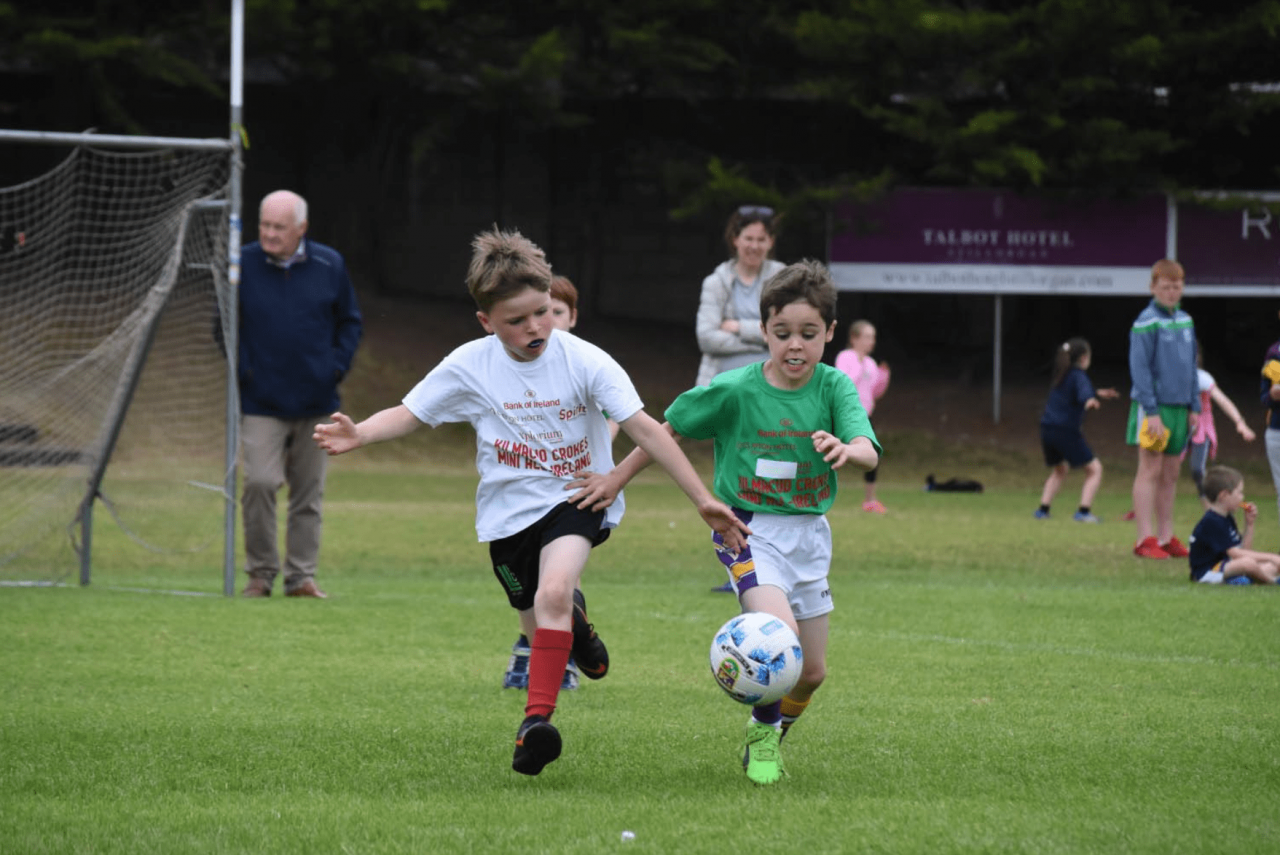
781	428
534	397
564	316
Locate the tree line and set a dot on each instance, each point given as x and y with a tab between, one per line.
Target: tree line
1058	96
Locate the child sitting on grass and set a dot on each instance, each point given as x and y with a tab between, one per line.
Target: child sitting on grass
1219	553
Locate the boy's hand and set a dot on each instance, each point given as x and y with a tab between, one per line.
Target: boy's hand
725	522
1250	513
595	491
832	450
337	437
837	453
1108	393
1155	426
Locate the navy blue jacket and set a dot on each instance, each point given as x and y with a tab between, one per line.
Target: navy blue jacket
299	328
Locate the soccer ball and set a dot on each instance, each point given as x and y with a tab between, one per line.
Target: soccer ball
756	658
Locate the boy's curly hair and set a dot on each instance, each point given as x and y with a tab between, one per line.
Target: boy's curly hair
806	281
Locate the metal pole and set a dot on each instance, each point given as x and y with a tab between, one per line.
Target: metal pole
131	375
86	537
232	324
995	363
113	140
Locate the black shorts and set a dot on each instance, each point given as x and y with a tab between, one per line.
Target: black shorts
1064	443
516	559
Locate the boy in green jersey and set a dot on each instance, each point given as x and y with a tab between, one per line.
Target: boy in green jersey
782	430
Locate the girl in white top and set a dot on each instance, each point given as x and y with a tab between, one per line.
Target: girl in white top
728	322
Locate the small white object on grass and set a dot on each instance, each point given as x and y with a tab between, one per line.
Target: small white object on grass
628	835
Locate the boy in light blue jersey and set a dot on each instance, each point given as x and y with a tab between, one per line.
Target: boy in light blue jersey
1164	410
782	430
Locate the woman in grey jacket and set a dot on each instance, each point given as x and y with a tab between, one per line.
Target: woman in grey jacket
728	323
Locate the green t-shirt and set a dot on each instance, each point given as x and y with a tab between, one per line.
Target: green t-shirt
765	460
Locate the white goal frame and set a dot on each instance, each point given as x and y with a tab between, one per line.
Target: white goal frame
232	145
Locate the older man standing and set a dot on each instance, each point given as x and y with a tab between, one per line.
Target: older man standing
299	328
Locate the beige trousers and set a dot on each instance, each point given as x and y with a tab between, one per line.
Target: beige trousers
275	452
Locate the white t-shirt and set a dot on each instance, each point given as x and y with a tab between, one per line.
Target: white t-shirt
537	423
1204	380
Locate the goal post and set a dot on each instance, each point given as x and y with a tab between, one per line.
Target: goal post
210	223
118	344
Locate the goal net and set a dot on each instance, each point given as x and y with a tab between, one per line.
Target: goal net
113	381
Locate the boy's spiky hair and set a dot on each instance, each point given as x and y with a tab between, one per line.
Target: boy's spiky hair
502	265
806	281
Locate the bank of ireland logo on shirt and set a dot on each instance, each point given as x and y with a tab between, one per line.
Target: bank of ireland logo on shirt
530	394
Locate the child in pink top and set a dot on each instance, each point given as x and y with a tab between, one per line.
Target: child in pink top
872	380
1202	445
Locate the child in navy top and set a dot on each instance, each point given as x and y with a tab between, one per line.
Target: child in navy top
1218	552
1061	438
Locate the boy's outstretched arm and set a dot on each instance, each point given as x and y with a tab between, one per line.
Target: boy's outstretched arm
343	435
656	442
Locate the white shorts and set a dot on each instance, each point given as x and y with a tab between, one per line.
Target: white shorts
789	551
1218	576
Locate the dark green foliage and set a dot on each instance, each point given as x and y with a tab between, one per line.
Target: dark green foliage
1110	98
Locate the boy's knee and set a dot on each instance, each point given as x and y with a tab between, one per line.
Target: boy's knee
812	675
551	588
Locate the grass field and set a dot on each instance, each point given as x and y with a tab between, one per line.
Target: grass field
996	684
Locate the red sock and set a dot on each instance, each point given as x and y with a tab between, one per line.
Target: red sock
548	657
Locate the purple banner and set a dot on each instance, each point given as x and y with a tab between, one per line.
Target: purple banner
993	227
1238	247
